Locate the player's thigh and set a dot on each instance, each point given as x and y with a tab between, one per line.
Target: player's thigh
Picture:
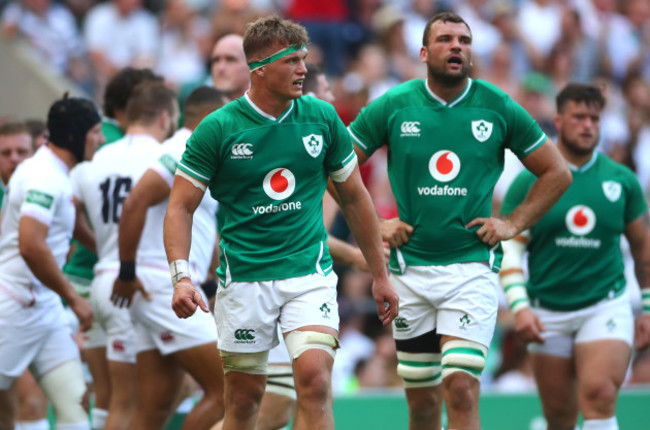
556	383
159	379
601	365
204	364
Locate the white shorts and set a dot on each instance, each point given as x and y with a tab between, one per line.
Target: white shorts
279	354
35	338
114	321
156	324
457	300
247	313
607	319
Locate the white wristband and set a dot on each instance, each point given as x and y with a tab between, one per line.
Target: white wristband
645	300
517	297
179	269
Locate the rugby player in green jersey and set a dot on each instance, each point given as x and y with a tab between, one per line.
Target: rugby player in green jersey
266	158
446	138
574	308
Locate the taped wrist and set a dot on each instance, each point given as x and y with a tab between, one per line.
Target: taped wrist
127	270
645	300
512	273
179	269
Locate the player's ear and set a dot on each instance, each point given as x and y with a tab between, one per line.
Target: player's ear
424	54
260	72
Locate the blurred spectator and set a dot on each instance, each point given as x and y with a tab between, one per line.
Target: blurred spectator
416	15
539	25
515	375
388	24
185	44
232	16
51	30
582	48
15	146
536	96
120	33
38	130
627	38
485	36
521	51
500	70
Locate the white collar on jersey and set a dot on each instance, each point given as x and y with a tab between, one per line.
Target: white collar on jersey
266	115
60	163
585	166
455	101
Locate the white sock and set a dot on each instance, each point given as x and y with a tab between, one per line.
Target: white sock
605	424
73	426
99	418
33	425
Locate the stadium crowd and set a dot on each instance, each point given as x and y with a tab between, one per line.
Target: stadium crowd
530	49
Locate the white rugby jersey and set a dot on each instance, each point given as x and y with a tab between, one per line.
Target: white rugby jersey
204	226
39	188
105	182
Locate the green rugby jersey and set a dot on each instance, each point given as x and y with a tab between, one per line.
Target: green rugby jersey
574	251
269	175
79	267
443	162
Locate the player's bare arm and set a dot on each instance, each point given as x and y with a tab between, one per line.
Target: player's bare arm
32	236
553	178
82	230
394	231
637	235
150	190
184	198
360	215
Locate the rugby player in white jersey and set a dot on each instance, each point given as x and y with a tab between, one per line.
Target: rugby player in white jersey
101	186
38	220
166	344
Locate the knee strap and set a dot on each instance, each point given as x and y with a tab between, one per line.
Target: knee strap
419	369
65	387
463	356
255	363
300	341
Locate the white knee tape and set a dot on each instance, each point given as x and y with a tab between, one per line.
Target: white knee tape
419	369
65	387
300	341
255	363
463	356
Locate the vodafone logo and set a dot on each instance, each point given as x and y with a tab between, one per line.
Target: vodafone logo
279	183
580	220
444	165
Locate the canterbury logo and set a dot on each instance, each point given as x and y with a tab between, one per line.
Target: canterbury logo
242	149
410	128
244	334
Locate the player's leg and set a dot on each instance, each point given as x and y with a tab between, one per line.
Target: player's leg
7	403
32	404
279	400
158	380
204	365
602	353
466	318
554	368
556	384
97	363
243	390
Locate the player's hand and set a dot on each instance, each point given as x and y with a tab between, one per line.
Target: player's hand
493	230
642	332
528	326
123	292
186	299
386	299
395	232
84	312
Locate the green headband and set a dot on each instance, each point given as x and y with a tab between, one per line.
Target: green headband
282	53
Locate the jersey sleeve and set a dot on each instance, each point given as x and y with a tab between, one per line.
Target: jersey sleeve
517	192
341	158
166	165
524	134
369	129
635	204
200	159
41	199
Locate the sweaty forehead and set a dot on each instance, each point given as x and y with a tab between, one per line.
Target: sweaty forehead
450	28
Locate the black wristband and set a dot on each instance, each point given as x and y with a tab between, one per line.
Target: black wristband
127	270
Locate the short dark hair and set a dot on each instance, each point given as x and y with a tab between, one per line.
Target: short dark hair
310	84
12	128
199	101
444	17
148	100
579	93
120	87
266	31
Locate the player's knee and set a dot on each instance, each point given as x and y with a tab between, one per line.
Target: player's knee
601	396
419	369
255	363
300	341
463	356
65	387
